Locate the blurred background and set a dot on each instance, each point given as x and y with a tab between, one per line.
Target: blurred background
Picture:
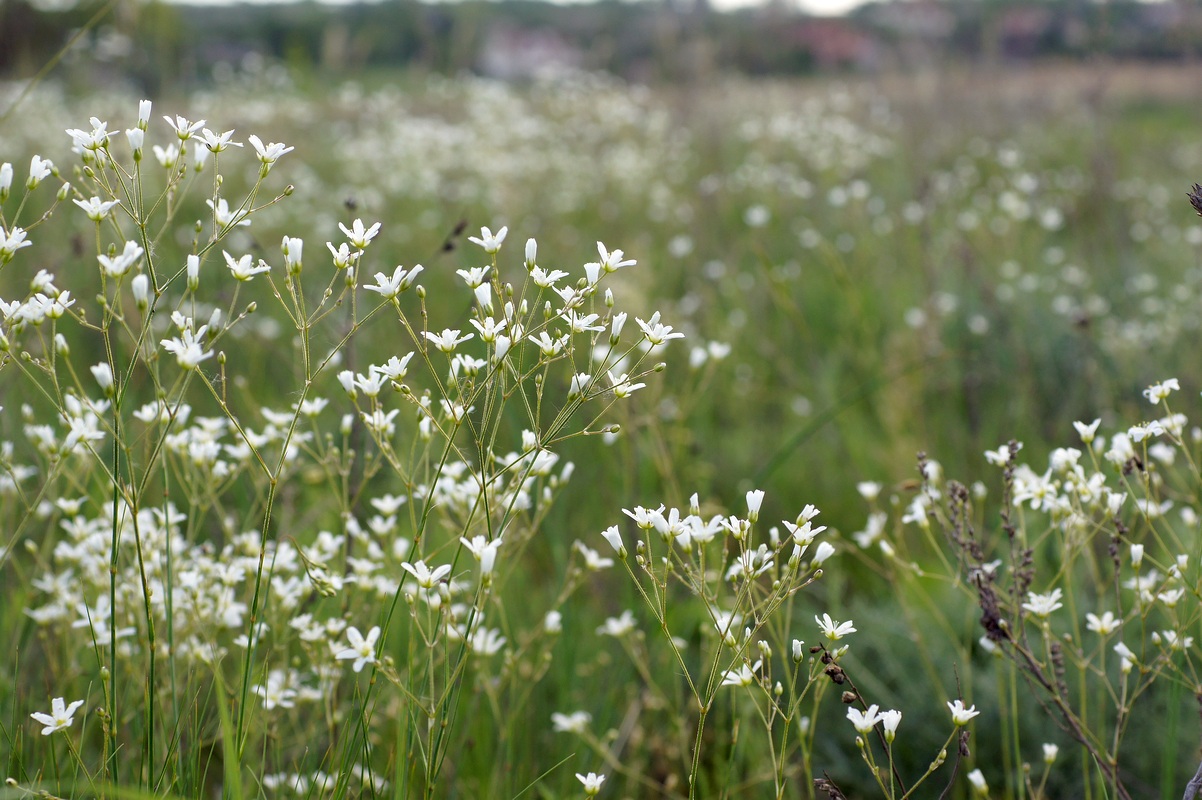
673	40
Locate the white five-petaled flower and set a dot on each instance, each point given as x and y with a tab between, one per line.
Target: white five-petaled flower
864	721
1104	625
184	128
95	208
218	142
1087	432
832	629
488	240
960	714
655	332
242	268
592	783
268	153
60	717
448	340
11	242
612	262
401	279
39	169
95	139
188	347
362	649
426	578
358	234
1041	605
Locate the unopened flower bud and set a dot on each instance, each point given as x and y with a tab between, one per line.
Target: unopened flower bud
798	651
193	272
140	287
531	253
144	107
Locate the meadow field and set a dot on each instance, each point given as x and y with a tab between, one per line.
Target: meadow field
430	437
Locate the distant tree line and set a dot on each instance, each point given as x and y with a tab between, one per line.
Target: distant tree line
160	46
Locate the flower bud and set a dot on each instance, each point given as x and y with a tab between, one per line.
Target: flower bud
144	107
798	651
6	180
140	287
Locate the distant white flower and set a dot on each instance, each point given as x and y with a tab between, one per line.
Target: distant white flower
1050	751
618	626
576	722
1104	625
363	650
960	714
869	490
60	716
977	779
225	217
1042	605
484	550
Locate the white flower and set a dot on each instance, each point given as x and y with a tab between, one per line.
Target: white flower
60	716
426	578
358	235
1087	432
618	626
869	490
755	498
389	287
242	269
1104	625
864	721
183	128
189	350
293	250
1042	605
824	551
656	333
742	675
363	650
448	340
614	537
484	550
95	139
576	722
612	262
592	783
1137	555
104	376
834	630
225	217
270	153
977	779
121	263
960	714
1050	752
6	179
95	208
1160	391
218	142
890	720
489	241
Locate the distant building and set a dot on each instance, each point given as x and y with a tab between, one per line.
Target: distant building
512	53
837	44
